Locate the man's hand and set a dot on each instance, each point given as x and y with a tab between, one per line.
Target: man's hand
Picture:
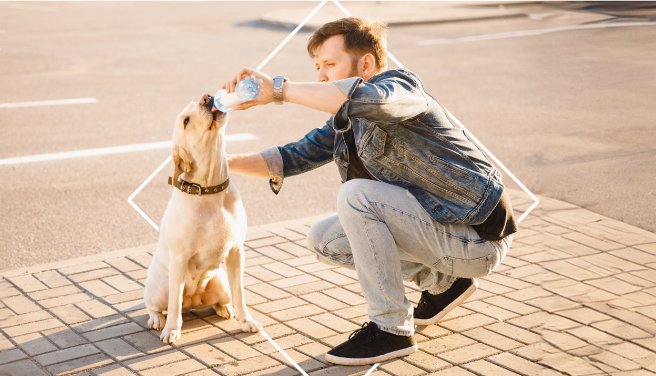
267	88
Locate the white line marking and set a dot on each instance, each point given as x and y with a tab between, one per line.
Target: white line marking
512	176
49	103
371	369
142	186
524	33
291	35
284	353
109	150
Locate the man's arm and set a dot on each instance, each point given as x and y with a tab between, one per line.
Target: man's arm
248	164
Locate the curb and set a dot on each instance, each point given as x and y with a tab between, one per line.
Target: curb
252	231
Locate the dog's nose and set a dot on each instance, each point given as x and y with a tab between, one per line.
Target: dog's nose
205	99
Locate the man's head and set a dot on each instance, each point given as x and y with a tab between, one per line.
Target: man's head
349	47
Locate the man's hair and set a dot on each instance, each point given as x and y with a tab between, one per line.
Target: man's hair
361	36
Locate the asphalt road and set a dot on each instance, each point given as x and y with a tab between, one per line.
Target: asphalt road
570	113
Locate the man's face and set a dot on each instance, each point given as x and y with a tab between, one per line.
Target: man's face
333	62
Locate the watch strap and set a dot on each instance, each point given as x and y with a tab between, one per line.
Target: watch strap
277	88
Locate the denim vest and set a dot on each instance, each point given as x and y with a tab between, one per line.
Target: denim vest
404	138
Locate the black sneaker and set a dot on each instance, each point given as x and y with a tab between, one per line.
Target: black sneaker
369	345
432	308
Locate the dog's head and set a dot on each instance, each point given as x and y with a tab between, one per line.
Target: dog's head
195	132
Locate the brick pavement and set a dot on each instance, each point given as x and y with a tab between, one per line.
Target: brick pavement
576	295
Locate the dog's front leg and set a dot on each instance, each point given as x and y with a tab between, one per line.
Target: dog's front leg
235	262
172	329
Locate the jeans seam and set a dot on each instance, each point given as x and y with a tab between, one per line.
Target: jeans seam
427	223
324	247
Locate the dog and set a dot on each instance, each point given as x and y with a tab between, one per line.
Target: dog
204	224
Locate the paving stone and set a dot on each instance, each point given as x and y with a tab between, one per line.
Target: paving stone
335	323
336	340
345	296
114	331
430	331
64	300
514	332
244	367
536	351
98	288
592	242
487	309
110	370
283	269
452	371
69	314
94	274
295	249
101	323
123	264
426	361
121	283
174	369
553	303
64	337
96	309
527	294
265	289
485	368
41	295
235	348
594	336
333	277
305	260
467	322
311	328
200	336
570	365
401	368
66	354
309	287
284	343
468	353
155	360
262	273
24	319
447	343
22	368
634	353
315	266
294	281
296	312
144	259
520	365
27	283
614	285
20	304
274	331
125	296
11	355
315	350
563	341
280	304
209	354
513	283
307	364
493	339
146	342
494	288
349	313
614	360
83	268
289	234
118	349
511	305
637	256
38	326
621	329
324	301
34	344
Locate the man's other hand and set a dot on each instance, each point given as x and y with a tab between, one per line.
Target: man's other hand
267	88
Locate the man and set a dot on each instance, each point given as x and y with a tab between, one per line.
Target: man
420	202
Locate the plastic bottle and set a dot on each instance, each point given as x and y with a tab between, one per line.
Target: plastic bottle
246	90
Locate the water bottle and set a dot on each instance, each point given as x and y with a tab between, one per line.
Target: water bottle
246	90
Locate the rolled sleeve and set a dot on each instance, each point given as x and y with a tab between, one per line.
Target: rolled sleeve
275	166
389	97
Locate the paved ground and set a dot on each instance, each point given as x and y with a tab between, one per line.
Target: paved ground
576	295
570	113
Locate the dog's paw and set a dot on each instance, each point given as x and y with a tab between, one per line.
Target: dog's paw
249	325
170	335
156	321
225	311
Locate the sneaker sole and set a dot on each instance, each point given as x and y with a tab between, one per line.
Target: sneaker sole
377	359
450	307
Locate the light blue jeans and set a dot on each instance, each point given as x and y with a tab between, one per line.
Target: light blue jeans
384	234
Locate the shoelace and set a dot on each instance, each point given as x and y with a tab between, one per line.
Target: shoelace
365	334
424	300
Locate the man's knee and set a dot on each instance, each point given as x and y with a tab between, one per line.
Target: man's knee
352	194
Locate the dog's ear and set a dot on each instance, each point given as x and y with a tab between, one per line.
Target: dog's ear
180	159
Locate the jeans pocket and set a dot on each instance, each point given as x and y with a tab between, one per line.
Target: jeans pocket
464	268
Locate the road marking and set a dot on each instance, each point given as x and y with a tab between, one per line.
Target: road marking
109	150
49	103
524	33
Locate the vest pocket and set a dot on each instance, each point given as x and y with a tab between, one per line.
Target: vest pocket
464	268
375	144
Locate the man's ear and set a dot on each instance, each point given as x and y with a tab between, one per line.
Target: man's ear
368	64
180	159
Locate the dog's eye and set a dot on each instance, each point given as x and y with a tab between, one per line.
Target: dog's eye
186	121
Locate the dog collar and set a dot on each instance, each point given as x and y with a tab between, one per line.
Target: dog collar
195	189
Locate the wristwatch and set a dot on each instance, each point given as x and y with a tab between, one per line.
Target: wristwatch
277	88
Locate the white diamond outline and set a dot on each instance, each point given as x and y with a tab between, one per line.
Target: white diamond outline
467	131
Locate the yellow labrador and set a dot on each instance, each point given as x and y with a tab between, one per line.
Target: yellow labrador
203	225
